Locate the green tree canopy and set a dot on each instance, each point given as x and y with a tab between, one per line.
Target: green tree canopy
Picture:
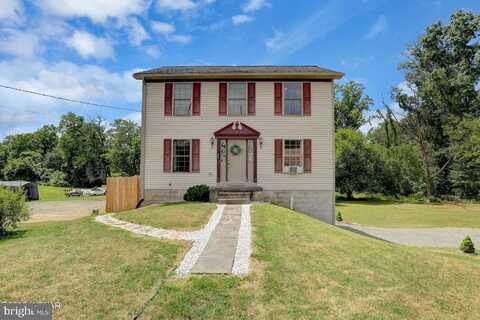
350	105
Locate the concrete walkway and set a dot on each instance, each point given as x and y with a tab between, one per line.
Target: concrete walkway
222	246
219	254
420	237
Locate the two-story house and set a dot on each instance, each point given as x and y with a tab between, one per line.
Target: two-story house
267	131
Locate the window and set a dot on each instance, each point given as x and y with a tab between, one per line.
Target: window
237	99
181	155
293	153
293	98
182	99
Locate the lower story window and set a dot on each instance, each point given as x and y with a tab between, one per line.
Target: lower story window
293	153
181	155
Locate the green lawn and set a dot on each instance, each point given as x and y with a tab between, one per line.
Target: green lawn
94	271
305	269
302	269
49	193
179	216
397	214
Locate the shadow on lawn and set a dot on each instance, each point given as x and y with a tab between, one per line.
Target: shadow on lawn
348	228
10	235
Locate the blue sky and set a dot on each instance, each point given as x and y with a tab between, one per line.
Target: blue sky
88	49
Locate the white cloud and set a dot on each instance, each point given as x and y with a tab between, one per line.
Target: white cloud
97	10
153	51
181	5
88	45
11	11
180	38
136	32
254	5
405	88
19	44
82	82
241	18
162	27
377	28
275	41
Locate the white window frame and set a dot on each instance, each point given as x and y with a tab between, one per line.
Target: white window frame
301	100
191	101
246	99
286	169
189	157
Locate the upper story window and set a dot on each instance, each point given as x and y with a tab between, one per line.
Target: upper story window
182	99
237	99
292	98
181	155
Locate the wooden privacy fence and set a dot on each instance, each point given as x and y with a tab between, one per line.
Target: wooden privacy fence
123	193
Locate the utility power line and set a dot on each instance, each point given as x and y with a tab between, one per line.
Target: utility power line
66	99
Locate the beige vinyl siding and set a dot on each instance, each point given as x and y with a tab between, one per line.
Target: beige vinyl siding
318	127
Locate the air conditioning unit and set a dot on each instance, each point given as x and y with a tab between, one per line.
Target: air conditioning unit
294	170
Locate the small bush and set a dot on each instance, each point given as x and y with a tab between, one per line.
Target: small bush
12	209
57	179
467	245
339	216
199	192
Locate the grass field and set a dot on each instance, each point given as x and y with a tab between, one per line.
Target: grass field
396	214
95	272
180	216
302	269
49	193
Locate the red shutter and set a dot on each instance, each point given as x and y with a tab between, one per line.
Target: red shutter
167	155
278	155
222	99
307	155
307	99
195	155
168	99
251	99
278	98
196	99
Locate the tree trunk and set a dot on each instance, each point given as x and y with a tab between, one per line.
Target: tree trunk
425	166
349	195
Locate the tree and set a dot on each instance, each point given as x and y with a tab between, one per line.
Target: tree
355	163
124	147
28	166
350	105
83	146
464	149
443	68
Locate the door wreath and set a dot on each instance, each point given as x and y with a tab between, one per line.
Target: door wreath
235	149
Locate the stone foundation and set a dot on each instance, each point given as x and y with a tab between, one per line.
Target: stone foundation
151	196
318	204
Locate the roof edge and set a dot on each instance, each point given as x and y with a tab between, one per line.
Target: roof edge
320	75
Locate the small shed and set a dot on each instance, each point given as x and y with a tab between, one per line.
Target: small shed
30	188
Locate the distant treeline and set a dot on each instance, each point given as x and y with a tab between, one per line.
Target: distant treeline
76	152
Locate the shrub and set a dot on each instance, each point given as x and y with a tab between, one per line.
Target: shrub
57	179
467	245
12	209
339	216
199	192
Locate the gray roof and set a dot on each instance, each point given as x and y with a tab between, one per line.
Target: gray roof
19	183
238	72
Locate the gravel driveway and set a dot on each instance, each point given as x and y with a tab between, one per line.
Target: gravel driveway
63	210
421	237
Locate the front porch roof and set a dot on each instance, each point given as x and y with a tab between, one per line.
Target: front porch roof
237	129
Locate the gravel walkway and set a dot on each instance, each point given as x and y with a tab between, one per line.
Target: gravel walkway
420	237
222	246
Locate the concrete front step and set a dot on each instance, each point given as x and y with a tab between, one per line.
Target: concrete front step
233	200
233	194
